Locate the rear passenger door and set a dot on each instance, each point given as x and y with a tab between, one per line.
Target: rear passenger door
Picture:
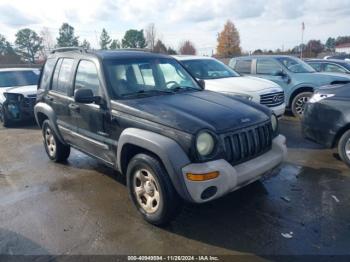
58	97
91	118
243	66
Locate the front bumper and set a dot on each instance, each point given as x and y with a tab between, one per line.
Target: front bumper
17	112
279	110
233	177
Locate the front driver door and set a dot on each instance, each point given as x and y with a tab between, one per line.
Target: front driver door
92	136
266	68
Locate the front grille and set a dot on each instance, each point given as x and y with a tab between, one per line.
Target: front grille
29	102
249	143
272	99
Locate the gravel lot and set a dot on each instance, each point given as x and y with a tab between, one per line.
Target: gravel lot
82	207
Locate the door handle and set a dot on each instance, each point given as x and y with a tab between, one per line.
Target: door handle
74	107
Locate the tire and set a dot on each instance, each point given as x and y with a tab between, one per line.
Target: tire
5	121
344	148
157	199
55	150
299	102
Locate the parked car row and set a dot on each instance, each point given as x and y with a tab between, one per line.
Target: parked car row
298	79
157	120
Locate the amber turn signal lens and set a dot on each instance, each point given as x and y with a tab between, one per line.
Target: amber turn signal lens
202	177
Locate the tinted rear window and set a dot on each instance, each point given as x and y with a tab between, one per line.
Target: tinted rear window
19	78
243	66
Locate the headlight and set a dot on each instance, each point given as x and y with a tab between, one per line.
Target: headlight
205	144
274	123
13	97
318	97
245	96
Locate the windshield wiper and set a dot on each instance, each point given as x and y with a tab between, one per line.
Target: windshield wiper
183	88
147	92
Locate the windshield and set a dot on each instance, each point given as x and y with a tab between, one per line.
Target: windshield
208	69
19	78
147	76
296	65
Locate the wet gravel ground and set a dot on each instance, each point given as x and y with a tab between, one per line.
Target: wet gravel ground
82	207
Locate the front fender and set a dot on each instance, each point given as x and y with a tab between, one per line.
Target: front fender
168	150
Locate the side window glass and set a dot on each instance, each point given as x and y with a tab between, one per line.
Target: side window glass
47	73
243	66
64	76
316	66
333	68
87	77
266	67
55	74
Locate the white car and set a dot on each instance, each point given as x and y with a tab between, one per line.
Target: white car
220	78
18	87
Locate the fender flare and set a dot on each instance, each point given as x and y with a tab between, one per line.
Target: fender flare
48	111
169	152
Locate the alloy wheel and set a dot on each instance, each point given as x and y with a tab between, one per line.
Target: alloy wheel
300	104
50	142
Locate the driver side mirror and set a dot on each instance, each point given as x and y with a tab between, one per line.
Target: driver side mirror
85	96
278	72
201	83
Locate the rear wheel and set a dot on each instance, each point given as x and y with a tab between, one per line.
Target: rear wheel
299	102
151	190
55	150
344	147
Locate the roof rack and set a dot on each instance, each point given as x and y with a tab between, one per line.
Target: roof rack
69	49
133	49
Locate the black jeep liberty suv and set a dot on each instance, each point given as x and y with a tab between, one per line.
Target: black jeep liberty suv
144	115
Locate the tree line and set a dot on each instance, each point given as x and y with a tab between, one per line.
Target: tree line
30	46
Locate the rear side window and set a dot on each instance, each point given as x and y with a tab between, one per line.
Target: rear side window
47	73
334	68
267	66
62	75
87	77
243	66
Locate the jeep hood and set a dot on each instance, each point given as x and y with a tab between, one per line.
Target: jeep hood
193	111
324	78
24	90
240	84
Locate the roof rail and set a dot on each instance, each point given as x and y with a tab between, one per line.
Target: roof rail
69	49
133	49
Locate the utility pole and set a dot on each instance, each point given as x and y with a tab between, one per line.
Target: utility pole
302	39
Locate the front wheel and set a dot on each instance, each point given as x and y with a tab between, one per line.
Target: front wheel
299	102
344	147
4	119
151	190
55	150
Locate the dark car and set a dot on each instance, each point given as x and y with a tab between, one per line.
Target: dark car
144	115
327	119
330	65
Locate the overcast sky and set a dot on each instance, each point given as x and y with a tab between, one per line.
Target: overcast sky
265	24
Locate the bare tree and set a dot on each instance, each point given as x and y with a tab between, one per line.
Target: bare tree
151	35
187	48
47	41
